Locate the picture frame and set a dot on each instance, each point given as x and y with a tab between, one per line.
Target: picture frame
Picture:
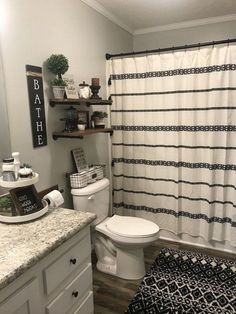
79	159
7	206
84	116
26	200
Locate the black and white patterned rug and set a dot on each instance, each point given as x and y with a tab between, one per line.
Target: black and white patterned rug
187	282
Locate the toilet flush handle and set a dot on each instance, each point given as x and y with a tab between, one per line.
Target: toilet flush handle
91	197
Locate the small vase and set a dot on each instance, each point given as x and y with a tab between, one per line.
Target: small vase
58	92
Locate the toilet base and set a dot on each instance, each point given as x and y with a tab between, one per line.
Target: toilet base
130	263
127	264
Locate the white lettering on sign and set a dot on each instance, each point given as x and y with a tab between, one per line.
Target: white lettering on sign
36	102
36	84
38	112
40	139
23	198
37	99
39	125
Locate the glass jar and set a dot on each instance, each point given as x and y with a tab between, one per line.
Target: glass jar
84	90
8	169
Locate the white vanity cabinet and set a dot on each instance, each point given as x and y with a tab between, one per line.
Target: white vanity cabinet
60	283
23	301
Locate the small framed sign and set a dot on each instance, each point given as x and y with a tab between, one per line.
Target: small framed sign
79	159
84	116
71	91
26	200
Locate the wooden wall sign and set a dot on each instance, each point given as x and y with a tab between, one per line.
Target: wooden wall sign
36	102
26	200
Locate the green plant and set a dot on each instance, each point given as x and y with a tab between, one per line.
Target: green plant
99	114
81	122
57	64
58	82
5	202
25	166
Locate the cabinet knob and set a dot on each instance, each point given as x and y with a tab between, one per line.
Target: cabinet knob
73	261
75	294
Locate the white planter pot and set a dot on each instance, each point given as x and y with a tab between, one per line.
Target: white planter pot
81	127
58	92
99	122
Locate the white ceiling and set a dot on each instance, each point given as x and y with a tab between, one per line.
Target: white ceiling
142	16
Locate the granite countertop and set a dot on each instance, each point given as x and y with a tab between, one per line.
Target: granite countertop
23	245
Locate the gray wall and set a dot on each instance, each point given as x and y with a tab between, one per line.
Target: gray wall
32	31
185	36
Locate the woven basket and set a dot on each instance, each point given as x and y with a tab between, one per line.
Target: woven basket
78	180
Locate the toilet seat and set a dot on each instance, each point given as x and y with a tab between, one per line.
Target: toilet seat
131	227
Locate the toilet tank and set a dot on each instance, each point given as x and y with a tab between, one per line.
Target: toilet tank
93	198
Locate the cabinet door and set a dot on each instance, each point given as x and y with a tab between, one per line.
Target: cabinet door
24	301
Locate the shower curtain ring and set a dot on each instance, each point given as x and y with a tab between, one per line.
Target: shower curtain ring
213	44
228	42
199	46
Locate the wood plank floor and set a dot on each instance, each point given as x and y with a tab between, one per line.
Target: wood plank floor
112	295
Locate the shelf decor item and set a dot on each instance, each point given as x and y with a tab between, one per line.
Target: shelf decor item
95	88
83	116
71	119
81	125
98	118
58	65
70	89
84	91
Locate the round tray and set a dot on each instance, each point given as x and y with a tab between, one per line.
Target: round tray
19	219
20	182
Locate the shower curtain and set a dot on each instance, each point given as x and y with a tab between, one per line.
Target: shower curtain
174	141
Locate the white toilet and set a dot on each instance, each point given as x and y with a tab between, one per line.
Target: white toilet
118	240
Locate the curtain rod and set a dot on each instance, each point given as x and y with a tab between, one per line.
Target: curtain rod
211	43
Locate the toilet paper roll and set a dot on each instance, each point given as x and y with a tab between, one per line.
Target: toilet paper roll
55	199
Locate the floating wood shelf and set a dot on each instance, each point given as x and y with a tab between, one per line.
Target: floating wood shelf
80	134
88	102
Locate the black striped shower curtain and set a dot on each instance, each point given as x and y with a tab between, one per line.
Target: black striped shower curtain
174	142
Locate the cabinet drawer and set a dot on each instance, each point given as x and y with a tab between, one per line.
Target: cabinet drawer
86	306
72	293
66	264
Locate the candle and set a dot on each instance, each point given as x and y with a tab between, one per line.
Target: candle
95	81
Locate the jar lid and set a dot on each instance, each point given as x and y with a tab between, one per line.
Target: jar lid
8	160
83	84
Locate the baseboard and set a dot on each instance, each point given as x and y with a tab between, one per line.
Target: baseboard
196	245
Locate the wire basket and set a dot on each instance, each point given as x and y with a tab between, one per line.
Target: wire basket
79	180
92	175
103	166
100	172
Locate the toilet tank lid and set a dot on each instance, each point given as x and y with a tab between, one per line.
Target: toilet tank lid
91	188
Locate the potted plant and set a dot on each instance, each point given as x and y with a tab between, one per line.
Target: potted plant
58	65
81	125
98	118
6	206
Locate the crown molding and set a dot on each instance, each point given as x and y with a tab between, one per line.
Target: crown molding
187	24
99	8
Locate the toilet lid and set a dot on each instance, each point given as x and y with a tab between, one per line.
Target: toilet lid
131	226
